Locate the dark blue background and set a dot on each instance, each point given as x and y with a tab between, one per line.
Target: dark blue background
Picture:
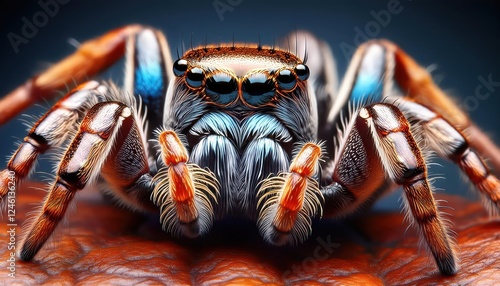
462	39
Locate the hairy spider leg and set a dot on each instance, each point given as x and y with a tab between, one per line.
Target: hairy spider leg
379	140
51	130
420	87
108	129
381	71
379	68
148	53
450	143
147	77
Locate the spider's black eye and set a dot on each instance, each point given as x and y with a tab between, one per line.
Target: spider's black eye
302	71
221	88
180	67
286	80
258	89
194	77
258	84
221	83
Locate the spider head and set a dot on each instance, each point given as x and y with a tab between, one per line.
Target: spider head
241	76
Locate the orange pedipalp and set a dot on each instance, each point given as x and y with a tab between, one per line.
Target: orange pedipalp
306	161
172	149
181	182
293	192
182	185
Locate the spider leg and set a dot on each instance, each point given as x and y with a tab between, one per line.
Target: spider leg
380	69
378	141
92	57
185	193
106	143
51	130
450	143
287	202
418	83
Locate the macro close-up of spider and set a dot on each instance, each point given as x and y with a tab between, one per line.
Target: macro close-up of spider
244	131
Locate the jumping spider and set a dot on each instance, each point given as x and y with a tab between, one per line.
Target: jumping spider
246	130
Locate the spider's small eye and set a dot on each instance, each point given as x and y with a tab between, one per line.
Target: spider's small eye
194	77
286	80
180	67
302	71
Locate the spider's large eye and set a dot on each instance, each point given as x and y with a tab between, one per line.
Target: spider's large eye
180	67
302	71
286	80
221	88
194	77
258	89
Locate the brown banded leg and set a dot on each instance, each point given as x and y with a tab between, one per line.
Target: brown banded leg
184	192
92	57
450	143
378	141
105	137
287	202
50	131
418	85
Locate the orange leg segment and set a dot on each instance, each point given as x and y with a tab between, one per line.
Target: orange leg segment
92	57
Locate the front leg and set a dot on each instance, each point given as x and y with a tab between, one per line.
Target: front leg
50	131
378	143
106	125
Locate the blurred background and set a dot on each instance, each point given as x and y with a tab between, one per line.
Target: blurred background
458	40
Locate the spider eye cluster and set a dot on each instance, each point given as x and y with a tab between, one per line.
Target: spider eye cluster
194	76
287	79
257	88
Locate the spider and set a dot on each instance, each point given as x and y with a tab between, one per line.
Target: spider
238	130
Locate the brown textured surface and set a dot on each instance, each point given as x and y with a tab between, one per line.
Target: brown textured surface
105	244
